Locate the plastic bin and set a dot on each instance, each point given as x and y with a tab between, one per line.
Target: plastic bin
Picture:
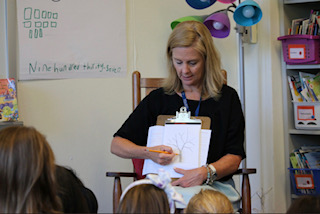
308	175
306	115
301	49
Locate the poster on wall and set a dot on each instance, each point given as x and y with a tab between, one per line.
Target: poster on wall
71	39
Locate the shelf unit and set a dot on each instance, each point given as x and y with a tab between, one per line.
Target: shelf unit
9	123
294	138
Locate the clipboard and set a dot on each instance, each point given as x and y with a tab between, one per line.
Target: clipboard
196	151
184	117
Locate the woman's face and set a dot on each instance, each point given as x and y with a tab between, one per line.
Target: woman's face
189	65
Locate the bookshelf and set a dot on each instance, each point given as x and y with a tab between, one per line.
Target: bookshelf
294	138
9	123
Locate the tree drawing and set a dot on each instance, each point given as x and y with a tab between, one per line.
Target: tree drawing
181	141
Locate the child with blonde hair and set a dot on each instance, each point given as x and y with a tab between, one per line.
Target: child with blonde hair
209	201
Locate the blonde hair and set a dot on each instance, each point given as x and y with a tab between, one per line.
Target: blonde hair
209	201
196	35
27	172
144	198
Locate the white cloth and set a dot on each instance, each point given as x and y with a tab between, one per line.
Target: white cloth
163	181
226	187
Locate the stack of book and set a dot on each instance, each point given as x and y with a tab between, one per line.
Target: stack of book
8	100
307	26
306	158
305	87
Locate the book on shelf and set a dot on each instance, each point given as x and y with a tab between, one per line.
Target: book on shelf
296	25
293	160
306	157
306	93
314	86
8	100
300	160
318	22
313	22
311	148
313	159
306	25
295	88
304	162
312	155
304	87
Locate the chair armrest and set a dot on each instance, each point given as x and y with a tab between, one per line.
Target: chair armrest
246	192
117	189
245	171
121	174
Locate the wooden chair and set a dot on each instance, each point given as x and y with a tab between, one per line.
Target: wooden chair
150	84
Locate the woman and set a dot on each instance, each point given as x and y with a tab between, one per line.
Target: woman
196	82
27	173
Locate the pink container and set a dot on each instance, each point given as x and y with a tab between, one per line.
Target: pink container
301	49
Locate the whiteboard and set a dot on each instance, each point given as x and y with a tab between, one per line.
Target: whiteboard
71	39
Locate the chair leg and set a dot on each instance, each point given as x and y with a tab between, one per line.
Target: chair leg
117	191
246	195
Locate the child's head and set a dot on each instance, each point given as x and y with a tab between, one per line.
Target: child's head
209	201
144	198
305	204
27	172
151	195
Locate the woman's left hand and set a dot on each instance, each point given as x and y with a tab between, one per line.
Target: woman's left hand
192	177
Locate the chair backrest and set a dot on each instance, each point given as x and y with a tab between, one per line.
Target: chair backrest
138	83
148	84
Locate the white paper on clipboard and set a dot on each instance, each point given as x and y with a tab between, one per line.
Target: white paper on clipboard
186	138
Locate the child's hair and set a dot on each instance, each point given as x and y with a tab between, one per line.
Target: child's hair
27	172
144	198
154	194
209	201
75	196
305	204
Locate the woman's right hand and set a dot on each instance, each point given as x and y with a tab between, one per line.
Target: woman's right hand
161	158
127	149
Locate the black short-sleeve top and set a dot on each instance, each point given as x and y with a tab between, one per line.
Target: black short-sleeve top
227	120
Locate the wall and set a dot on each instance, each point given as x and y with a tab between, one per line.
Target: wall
264	114
3	42
79	116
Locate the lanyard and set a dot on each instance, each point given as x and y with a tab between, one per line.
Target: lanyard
185	102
